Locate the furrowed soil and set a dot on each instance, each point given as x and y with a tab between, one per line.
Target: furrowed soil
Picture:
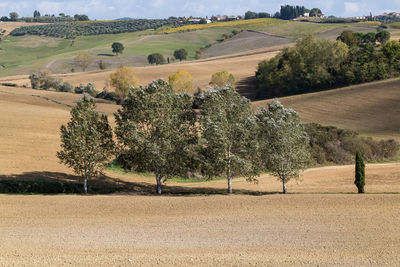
285	230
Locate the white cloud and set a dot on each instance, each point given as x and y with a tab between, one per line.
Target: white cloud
47	7
351	8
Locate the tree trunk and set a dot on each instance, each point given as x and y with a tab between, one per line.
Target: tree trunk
85	185
284	185
229	184
159	184
85	181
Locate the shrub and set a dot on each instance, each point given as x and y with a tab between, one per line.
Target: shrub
156	58
90	89
102	65
65	87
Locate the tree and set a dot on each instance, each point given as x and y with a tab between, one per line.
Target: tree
203	21
83	60
360	173
36	14
117	48
81	17
156	58
250	15
383	37
264	15
222	78
181	81
181	54
156	131
14	16
227	141
283	142
123	80
86	141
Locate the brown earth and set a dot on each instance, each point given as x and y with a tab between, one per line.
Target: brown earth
291	230
322	221
372	109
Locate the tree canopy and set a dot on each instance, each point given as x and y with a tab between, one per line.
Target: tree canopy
156	131
228	128
83	60
86	141
117	48
222	78
181	54
123	80
283	142
181	81
156	58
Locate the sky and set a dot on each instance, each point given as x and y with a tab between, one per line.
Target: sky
112	9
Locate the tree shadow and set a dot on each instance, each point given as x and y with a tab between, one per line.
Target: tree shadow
47	181
105	55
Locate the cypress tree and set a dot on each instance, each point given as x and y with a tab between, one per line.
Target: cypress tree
360	173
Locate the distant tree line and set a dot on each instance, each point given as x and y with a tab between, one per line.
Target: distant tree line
70	30
287	12
47	18
318	64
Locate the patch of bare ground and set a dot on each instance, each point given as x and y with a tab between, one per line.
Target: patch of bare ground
204	230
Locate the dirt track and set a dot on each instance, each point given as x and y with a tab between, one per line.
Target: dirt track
216	230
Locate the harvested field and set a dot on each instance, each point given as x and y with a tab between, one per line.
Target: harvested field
245	41
372	109
215	230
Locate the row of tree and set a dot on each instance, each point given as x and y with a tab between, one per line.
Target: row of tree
319	64
287	12
70	30
157	130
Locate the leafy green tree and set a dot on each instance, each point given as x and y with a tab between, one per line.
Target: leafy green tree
349	38
250	15
14	16
283	142
181	54
157	132
310	65
156	58
117	48
86	141
227	141
264	15
36	14
222	78
360	173
383	37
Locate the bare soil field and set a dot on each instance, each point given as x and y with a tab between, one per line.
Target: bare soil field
321	221
289	230
372	109
244	41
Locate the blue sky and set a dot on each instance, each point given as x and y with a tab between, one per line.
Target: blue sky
111	9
